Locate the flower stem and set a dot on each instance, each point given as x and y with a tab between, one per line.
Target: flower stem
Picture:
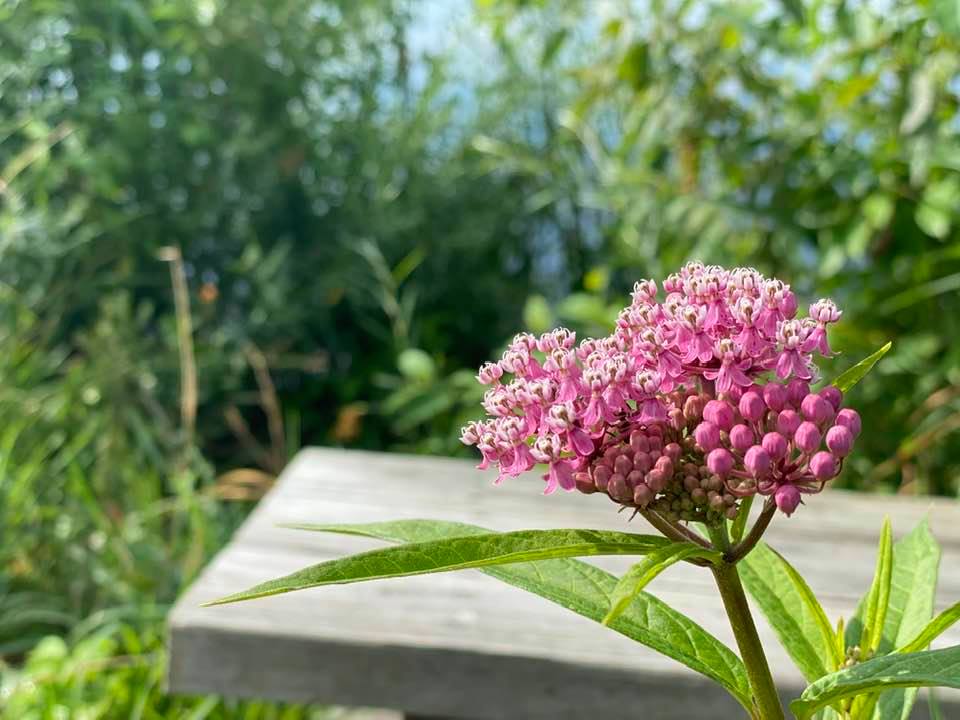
751	651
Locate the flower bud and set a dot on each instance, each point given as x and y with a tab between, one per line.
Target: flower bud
690	483
787	422
752	406
707	436
642	495
850	419
757	461
656	480
816	409
720	462
634	478
673	451
676	419
601	477
664	464
698	496
840	440
807	437
642	461
797	390
775	396
623	465
584	483
618	489
741	437
719	413
732	513
832	395
823	465
656	442
693	408
787	498
638	441
775	444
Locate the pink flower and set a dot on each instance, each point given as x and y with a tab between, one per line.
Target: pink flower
676	408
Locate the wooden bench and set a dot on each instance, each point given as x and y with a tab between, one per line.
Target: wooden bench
463	645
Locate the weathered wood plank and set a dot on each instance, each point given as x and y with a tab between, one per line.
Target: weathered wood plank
461	644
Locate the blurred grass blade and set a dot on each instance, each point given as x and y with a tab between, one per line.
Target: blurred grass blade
644	572
587	590
933	668
850	377
457	553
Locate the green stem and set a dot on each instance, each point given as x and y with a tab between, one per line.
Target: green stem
745	631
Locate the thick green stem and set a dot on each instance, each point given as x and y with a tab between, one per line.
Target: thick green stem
751	651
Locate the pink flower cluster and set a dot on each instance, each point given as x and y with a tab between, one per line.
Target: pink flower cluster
715	334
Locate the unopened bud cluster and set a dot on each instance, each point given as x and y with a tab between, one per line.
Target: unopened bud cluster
692	403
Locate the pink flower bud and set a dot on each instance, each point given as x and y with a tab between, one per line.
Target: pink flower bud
752	406
775	396
618	489
642	495
707	436
623	465
638	441
797	390
840	440
741	437
807	437
693	408
849	419
656	442
823	465
719	413
787	498
832	395
634	478
775	444
816	409
673	451
584	483
642	461
720	462
656	480
601	477
664	464
676	419
757	461
787	422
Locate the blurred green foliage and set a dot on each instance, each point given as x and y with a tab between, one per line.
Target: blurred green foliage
362	222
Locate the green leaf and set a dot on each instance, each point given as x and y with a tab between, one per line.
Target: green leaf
455	553
641	574
879	596
740	523
792	611
850	377
587	590
916	560
933	668
934	629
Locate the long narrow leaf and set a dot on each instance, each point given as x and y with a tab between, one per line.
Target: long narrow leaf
455	553
916	561
640	575
792	611
933	668
851	376
939	625
879	597
587	590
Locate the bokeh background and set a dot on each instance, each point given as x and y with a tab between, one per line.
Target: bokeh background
231	228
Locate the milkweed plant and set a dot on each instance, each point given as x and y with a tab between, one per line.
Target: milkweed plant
698	406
